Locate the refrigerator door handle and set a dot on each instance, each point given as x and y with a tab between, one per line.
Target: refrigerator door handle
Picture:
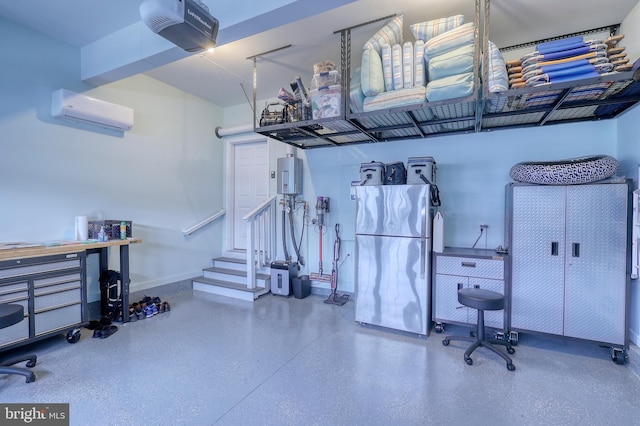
423	251
423	218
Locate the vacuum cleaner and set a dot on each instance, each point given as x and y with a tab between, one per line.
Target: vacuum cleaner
334	298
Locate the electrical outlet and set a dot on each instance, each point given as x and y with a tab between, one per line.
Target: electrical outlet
483	227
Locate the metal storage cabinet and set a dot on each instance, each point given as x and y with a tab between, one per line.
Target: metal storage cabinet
458	268
52	291
569	256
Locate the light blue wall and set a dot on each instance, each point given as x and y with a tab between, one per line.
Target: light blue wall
629	153
168	172
473	170
165	175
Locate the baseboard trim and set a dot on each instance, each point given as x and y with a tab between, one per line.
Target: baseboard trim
135	286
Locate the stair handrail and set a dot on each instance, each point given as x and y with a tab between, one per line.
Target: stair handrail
203	222
261	237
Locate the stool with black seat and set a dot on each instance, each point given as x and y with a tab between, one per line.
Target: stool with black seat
482	300
11	314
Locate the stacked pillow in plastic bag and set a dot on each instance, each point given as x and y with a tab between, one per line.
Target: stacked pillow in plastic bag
437	66
391	74
449	57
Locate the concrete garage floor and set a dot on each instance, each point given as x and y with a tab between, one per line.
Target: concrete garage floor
215	360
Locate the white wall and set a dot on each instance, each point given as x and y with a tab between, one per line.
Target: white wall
165	175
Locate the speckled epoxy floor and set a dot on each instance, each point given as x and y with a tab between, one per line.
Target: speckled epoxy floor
215	360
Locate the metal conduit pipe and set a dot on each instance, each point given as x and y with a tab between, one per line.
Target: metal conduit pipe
231	131
284	231
292	229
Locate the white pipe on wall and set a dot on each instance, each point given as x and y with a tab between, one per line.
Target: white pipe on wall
231	131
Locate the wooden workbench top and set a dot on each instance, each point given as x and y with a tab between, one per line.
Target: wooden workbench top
10	251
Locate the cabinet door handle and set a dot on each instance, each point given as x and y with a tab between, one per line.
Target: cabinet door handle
575	249
554	248
460	285
469	264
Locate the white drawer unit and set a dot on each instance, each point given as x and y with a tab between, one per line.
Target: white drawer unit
458	268
51	290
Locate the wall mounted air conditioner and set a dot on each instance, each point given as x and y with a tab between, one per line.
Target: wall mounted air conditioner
81	108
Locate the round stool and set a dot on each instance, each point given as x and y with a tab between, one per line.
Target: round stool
482	300
11	314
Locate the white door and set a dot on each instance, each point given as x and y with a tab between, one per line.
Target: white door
249	185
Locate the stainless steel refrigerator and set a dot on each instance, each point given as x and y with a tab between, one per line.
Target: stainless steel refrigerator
393	252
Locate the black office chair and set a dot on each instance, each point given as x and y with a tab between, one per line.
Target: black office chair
9	315
482	300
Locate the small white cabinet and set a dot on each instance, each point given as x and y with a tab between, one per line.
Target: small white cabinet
458	268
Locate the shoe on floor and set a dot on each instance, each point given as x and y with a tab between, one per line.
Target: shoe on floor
140	313
148	310
108	331
104	331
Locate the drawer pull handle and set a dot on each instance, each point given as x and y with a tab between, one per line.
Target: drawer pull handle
469	264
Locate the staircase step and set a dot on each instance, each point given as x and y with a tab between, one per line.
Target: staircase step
227	288
232	275
230	263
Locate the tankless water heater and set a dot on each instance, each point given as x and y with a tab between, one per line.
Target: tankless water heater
289	175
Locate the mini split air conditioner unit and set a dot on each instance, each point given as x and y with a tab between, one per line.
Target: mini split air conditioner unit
185	23
76	107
